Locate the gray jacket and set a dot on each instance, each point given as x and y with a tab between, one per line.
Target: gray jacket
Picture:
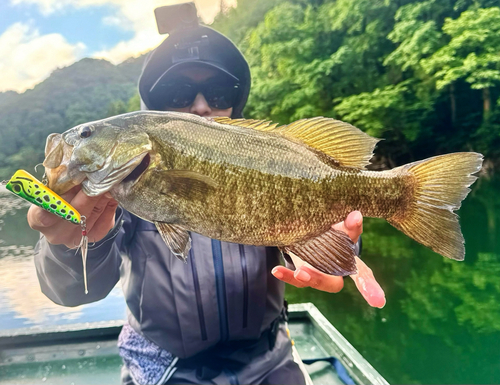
224	292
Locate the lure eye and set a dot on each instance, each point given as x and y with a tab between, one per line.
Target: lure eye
85	132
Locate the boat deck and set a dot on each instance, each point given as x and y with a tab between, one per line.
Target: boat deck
87	353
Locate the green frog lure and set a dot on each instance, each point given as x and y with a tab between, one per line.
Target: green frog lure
26	186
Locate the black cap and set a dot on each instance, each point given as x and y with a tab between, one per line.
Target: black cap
201	46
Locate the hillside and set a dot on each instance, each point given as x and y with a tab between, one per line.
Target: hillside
423	76
72	95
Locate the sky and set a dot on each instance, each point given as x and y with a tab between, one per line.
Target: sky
39	36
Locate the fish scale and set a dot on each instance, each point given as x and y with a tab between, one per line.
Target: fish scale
253	182
266	197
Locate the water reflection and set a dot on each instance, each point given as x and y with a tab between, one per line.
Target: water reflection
441	323
20	293
22	303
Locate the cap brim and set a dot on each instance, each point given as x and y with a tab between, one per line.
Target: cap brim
186	64
220	54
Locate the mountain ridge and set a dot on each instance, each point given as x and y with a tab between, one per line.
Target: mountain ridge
81	92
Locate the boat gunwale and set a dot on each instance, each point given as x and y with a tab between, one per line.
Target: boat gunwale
356	365
85	331
336	344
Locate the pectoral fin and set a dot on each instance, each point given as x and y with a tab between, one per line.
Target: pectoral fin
177	239
332	253
186	184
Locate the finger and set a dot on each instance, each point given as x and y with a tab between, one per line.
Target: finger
39	218
318	280
99	208
286	275
105	223
352	225
368	285
84	204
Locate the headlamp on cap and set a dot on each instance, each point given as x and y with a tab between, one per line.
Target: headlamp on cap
178	18
192	44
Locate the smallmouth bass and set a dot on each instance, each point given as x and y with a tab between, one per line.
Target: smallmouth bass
253	182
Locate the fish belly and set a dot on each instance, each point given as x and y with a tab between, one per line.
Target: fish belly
252	207
270	190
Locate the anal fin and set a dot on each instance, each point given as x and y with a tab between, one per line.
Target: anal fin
332	253
176	238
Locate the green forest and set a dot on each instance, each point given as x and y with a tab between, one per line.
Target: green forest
86	91
422	75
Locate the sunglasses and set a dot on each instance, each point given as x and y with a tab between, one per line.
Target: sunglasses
180	94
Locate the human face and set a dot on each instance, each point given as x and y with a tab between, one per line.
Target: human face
200	106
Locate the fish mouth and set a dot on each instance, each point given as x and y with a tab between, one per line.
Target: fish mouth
139	170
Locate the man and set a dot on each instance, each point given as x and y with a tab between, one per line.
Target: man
220	317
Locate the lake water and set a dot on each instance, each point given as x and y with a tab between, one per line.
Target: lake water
441	323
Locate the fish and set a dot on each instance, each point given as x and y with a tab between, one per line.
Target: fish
258	183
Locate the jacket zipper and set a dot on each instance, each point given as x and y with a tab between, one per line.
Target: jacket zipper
243	258
233	379
220	283
197	292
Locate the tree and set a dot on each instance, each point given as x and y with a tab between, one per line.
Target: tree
472	54
73	95
116	108
134	103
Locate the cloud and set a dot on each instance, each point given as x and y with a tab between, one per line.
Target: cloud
136	15
134	9
46	6
27	58
142	42
141	19
27	301
26	61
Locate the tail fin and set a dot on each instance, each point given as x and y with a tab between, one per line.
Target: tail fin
441	183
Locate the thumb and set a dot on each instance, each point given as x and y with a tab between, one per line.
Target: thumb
352	225
368	286
39	218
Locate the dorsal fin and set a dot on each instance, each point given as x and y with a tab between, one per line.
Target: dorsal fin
342	141
260	125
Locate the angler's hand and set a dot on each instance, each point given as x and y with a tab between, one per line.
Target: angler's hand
308	276
99	211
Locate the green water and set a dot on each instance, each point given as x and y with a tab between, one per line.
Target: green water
441	323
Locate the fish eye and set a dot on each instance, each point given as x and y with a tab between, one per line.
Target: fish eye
85	132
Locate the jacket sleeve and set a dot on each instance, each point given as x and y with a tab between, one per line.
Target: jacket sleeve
60	270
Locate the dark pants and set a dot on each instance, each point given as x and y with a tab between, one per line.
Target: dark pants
259	363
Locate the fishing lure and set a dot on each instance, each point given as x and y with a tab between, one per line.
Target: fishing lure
26	186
